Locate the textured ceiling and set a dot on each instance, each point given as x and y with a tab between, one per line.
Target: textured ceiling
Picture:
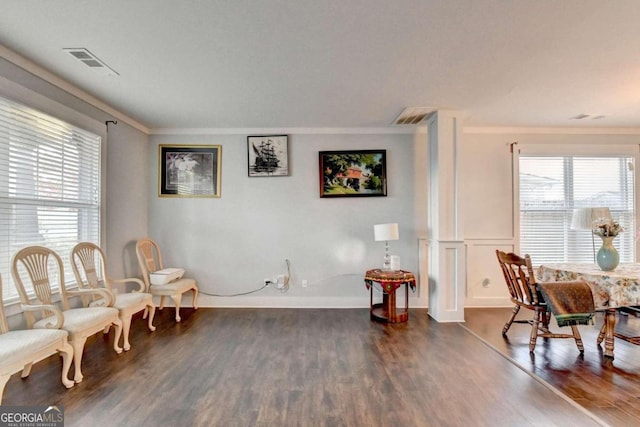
347	63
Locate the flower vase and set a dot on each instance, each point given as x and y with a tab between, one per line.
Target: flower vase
607	256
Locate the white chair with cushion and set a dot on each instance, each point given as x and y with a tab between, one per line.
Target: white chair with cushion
20	349
150	260
38	266
89	265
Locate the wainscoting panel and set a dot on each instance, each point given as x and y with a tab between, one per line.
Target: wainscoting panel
485	282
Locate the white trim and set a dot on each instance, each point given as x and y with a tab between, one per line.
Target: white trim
48	76
423	271
551	130
18	93
599	149
285	302
515	196
258	131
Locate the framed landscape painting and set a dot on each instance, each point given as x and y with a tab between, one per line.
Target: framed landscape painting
360	173
268	155
189	170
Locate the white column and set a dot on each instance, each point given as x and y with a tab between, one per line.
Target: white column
446	244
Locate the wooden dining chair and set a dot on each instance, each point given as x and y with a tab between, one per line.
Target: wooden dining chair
524	292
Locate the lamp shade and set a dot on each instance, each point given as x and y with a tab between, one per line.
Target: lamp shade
382	232
582	219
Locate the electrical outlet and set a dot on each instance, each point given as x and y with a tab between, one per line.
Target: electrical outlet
267	281
305	283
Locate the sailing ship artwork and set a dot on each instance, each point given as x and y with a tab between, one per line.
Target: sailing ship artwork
268	155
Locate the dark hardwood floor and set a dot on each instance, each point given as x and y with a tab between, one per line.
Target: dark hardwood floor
610	389
305	367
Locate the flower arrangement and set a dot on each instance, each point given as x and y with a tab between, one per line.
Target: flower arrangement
606	227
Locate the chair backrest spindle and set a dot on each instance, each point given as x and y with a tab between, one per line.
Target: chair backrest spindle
35	260
519	277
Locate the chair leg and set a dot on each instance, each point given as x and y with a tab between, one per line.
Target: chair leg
534	331
126	326
118	327
151	309
66	351
26	370
546	318
177	299
195	297
3	382
578	338
602	333
507	325
78	348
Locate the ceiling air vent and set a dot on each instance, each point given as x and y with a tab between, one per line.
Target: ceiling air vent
413	115
591	116
90	60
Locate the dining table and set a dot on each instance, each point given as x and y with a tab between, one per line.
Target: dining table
612	291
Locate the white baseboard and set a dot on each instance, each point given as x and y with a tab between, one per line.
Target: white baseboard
277	302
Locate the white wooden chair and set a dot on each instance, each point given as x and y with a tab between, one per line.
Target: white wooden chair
37	264
150	260
89	264
20	349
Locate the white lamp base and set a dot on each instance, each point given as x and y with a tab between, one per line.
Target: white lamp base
395	263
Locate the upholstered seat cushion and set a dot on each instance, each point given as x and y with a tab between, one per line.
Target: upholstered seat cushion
176	287
81	319
14	345
131	299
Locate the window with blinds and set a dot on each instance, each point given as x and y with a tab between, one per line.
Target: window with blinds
49	186
552	187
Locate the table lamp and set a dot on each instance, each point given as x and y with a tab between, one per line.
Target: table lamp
386	232
582	219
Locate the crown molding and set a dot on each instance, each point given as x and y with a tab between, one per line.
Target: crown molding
293	130
550	130
48	76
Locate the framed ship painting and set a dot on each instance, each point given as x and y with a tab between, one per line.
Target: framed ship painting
268	155
361	173
189	170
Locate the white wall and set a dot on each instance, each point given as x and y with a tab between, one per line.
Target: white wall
488	200
232	243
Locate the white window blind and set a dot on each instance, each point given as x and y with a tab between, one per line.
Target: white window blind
551	187
49	186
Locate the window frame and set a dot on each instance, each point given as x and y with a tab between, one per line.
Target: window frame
577	150
29	99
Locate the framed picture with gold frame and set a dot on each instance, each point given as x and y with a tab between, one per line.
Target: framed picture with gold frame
189	170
